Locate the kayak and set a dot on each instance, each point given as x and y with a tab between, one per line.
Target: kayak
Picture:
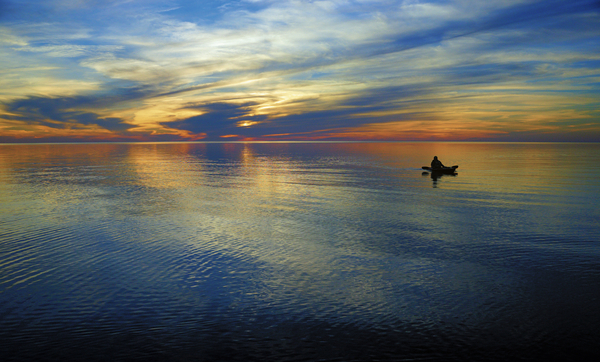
440	170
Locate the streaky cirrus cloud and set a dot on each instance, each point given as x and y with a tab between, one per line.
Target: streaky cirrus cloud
277	70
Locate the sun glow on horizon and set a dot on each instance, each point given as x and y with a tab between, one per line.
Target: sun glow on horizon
421	71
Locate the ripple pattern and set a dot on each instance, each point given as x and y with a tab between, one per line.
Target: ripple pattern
295	252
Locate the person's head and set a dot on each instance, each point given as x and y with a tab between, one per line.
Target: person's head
435	157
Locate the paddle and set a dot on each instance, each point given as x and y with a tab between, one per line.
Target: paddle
440	169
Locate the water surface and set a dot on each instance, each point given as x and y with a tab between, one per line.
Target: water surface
299	252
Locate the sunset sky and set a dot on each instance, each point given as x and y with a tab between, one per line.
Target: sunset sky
266	70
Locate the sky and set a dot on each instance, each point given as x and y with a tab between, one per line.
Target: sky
266	70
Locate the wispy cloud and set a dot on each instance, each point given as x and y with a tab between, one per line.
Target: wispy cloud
300	69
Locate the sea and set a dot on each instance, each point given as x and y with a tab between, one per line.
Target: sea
299	252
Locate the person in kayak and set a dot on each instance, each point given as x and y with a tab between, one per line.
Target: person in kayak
436	163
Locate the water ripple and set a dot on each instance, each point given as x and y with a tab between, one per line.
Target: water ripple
257	252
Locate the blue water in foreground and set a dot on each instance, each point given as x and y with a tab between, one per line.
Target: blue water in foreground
299	252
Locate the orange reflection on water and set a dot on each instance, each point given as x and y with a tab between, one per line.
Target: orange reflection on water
295	210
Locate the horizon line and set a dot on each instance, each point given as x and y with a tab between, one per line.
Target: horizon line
281	142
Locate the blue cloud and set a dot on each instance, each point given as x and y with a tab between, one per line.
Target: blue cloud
531	16
59	113
317	65
219	119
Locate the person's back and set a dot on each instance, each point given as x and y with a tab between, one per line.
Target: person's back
436	163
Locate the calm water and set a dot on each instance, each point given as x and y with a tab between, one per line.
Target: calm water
299	252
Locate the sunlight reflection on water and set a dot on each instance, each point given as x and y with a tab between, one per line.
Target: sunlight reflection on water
329	251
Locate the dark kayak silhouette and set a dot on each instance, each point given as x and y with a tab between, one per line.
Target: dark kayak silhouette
440	169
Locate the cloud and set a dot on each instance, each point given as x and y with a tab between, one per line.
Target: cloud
291	67
61	113
68	51
218	119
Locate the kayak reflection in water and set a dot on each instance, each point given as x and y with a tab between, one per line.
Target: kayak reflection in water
436	163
